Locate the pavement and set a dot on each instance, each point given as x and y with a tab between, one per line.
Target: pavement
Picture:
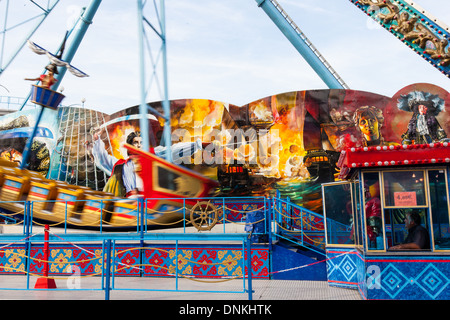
88	288
135	288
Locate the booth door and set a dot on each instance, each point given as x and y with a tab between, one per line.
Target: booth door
438	187
339	206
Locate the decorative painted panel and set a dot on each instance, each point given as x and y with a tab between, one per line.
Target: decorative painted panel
12	260
163	260
342	267
409	277
88	260
220	262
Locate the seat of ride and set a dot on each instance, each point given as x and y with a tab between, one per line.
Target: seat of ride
14	192
52	200
15	185
46	97
41	195
124	214
96	210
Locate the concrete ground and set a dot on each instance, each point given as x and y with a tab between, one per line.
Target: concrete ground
88	288
14	287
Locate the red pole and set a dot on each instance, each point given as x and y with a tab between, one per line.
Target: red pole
46	251
45	282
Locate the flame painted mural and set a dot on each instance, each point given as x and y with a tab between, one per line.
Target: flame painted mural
288	142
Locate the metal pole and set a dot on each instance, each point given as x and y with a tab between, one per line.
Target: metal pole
143	107
176	265
167	132
26	222
269	221
141	214
46	250
26	151
249	268
143	122
108	269
80	30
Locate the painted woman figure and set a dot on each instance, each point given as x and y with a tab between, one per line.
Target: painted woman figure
423	126
47	80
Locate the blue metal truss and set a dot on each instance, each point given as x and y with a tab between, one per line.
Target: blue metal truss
300	42
412	25
31	22
152	50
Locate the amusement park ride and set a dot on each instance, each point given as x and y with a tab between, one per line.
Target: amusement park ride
48	97
171	191
89	207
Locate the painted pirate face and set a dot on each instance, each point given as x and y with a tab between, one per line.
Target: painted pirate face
369	127
137	142
423	109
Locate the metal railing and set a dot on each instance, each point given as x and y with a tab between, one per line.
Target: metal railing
142	215
105	256
298	225
257	220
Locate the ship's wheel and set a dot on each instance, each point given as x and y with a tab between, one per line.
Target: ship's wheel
204	215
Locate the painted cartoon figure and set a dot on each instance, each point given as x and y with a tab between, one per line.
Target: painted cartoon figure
423	126
374	223
47	80
123	181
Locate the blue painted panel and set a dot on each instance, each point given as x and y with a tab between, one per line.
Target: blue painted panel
408	277
39	190
343	267
290	265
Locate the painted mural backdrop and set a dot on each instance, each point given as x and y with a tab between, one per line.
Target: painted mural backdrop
16	128
288	142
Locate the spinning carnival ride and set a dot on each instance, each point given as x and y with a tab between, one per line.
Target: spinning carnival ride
57	202
82	205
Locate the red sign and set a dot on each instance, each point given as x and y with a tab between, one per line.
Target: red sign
405	199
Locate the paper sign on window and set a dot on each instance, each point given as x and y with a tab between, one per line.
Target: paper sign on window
405	199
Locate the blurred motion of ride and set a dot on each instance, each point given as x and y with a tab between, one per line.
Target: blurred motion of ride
170	194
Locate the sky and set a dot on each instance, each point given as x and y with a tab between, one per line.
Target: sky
228	51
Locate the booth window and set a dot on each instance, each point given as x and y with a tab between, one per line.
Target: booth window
404	188
396	231
357	214
439	209
372	211
166	179
339	214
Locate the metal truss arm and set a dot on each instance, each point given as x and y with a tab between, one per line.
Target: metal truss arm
39	19
159	65
78	34
298	39
415	27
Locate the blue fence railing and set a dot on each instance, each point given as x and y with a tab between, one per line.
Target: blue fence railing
262	217
298	225
106	260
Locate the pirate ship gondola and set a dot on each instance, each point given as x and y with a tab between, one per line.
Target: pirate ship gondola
169	194
24	192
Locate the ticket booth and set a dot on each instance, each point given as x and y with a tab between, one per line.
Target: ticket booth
365	217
